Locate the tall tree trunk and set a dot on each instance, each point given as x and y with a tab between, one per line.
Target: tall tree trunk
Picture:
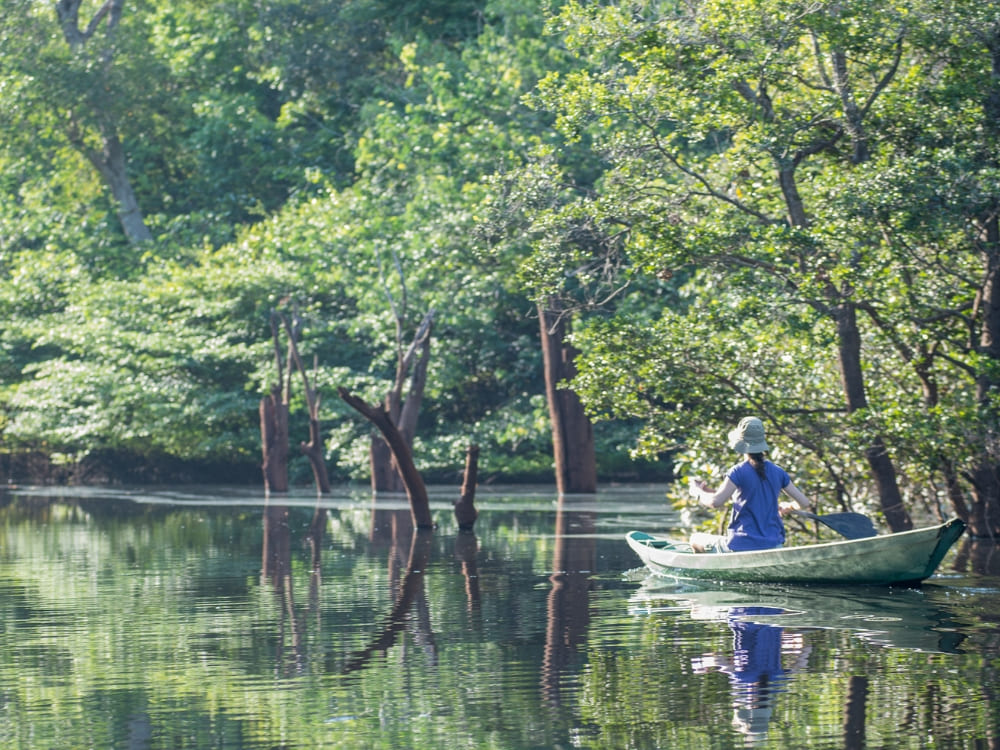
274	440
572	432
109	160
876	454
112	165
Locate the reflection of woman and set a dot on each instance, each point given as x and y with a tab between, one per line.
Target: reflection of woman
756	672
757	483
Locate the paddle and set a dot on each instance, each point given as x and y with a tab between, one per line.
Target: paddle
850	525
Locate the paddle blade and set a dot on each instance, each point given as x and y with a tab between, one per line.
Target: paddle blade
849	525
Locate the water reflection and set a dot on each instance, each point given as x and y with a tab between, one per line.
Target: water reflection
762	658
466	549
900	618
237	623
276	569
409	594
568	610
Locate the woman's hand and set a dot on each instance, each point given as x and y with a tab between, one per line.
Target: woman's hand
696	487
787	507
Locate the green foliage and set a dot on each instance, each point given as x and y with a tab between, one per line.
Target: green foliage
702	186
765	164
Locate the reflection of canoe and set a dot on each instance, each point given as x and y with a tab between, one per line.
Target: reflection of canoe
906	557
907	619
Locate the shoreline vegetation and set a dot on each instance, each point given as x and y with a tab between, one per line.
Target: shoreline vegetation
581	238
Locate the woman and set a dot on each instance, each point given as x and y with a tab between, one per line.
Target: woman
757	482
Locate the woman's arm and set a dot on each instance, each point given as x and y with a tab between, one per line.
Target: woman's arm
715	499
801	501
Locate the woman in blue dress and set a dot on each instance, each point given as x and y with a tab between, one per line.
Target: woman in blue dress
755	485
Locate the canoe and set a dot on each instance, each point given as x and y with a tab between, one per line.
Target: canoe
904	558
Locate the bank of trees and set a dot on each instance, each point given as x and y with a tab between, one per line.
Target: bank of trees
775	207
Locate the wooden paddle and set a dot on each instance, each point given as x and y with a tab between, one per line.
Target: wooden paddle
849	525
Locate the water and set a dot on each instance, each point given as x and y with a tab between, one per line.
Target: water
200	618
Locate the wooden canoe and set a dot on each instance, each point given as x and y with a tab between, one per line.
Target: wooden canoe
904	558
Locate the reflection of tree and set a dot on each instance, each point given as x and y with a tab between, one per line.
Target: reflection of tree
466	548
573	560
854	713
276	567
756	670
411	593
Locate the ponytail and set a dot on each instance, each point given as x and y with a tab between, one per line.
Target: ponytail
758	463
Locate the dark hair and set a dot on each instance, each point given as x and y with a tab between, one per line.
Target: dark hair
757	462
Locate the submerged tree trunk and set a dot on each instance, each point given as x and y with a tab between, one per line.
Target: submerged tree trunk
465	506
274	440
572	432
313	450
403	458
384	473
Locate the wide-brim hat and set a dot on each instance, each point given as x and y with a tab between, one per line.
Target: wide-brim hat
748	437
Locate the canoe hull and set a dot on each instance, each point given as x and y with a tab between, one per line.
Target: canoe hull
904	558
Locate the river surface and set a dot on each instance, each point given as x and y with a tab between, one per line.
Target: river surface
212	618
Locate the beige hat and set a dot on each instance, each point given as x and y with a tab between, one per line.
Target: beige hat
748	437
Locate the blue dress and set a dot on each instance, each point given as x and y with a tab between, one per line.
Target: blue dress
756	522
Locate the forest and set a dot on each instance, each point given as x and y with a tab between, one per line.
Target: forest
545	229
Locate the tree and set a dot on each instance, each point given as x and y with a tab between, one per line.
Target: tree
728	141
82	88
934	205
572	432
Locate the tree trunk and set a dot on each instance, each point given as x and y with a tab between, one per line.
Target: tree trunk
984	512
384	474
313	450
844	316
415	488
572	432
274	440
113	168
876	454
385	478
109	160
465	507
838	304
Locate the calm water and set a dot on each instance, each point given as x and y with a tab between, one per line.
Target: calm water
209	619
